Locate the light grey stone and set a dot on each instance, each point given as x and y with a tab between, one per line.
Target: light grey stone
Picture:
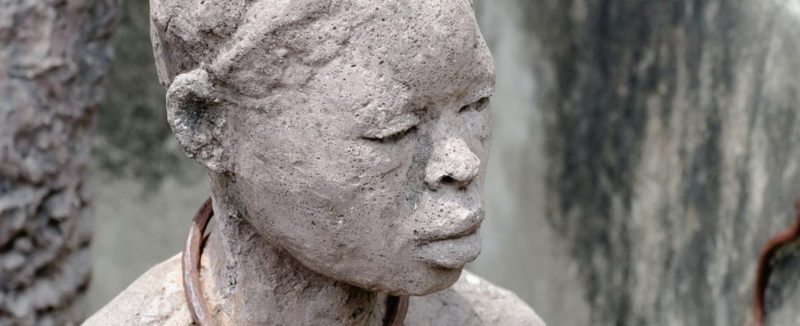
346	145
23	245
13	261
157	299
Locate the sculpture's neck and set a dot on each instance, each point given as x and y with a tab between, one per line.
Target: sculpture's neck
263	285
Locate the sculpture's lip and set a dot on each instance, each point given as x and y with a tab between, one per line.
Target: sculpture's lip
451	253
463	226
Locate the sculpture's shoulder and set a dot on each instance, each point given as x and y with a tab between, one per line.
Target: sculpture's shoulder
156	298
472	301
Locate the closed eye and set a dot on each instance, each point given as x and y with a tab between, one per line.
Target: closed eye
393	129
392	137
477	106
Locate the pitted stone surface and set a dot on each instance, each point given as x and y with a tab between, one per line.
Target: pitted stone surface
346	143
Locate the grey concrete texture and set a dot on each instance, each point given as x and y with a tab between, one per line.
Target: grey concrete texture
53	60
272	98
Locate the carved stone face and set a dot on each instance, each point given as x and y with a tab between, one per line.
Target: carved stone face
368	167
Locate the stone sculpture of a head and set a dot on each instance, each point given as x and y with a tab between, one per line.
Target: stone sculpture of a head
351	134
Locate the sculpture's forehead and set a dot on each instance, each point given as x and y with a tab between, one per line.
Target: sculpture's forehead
433	47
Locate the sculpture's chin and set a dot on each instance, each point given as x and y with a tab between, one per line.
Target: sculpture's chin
429	279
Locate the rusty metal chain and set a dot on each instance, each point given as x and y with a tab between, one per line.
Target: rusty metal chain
771	247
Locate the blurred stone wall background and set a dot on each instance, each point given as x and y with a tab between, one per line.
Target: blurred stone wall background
54	57
642	153
147	190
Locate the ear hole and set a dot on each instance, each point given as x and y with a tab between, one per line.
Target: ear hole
197	119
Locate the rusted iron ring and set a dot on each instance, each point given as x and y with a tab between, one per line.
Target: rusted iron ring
771	247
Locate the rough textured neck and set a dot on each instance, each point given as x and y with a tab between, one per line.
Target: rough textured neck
264	285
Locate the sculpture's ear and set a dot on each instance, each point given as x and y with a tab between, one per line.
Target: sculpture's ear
197	119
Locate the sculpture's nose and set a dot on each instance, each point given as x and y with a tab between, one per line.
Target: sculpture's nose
452	162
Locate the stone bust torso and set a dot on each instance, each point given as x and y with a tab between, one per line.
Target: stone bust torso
346	144
156	299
